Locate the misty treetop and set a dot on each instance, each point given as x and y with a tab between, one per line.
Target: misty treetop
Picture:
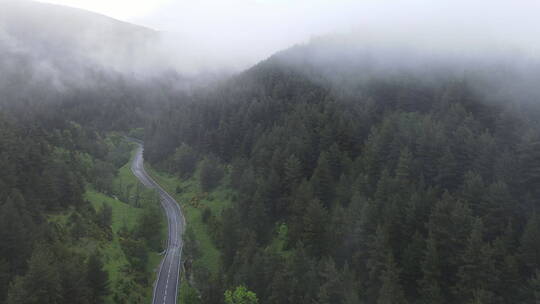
357	174
393	188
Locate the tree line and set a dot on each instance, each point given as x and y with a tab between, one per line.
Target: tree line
400	192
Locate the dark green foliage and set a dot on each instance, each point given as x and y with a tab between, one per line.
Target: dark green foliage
430	283
47	167
4	279
149	226
293	172
14	235
322	180
206	214
395	187
136	252
104	216
210	173
240	295
530	244
103	174
391	291
97	279
79	229
476	270
383	180
314	225
185	161
40	284
534	288
189	296
412	266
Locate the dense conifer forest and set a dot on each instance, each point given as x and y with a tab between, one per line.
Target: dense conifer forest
394	189
57	145
331	172
52	238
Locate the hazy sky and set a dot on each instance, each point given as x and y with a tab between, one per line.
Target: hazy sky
119	9
245	31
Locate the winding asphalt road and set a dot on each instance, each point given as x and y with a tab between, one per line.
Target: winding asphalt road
166	285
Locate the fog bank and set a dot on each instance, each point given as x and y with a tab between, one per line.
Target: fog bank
239	33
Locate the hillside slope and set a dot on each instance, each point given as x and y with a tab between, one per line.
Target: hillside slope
67	39
359	179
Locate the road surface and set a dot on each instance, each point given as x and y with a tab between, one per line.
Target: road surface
166	285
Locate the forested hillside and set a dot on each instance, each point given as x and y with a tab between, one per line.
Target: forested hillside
61	64
336	171
356	182
74	228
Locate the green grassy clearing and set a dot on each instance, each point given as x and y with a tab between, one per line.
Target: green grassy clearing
193	201
125	214
122	214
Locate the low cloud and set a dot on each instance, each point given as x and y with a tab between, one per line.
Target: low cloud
236	34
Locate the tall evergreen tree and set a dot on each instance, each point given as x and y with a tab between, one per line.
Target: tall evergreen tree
391	291
534	287
314	233
430	285
98	279
530	244
40	284
322	180
476	270
13	236
378	257
293	172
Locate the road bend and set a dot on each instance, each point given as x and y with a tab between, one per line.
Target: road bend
166	285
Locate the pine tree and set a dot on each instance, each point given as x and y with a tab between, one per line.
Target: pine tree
258	218
210	173
476	269
344	190
40	284
449	226
391	291
530	244
529	165
13	236
508	279
430	284
299	200
534	287
185	161
104	216
404	168
322	180
4	279
293	172
473	193
314	228
330	290
149	226
412	268
98	279
280	288
75	285
447	168
335	160
481	296
498	208
377	259
304	277
78	229
485	155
